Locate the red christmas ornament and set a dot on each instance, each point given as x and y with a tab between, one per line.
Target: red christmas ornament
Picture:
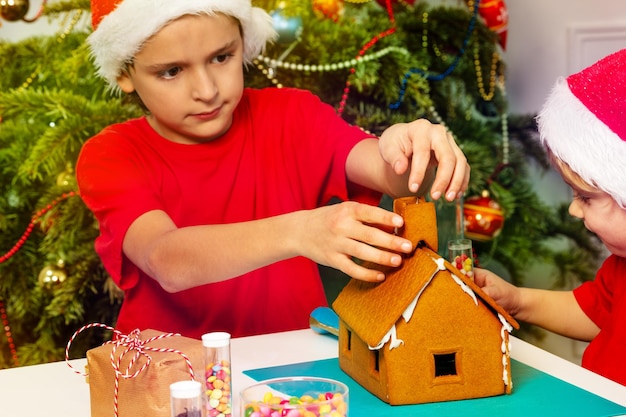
495	17
483	217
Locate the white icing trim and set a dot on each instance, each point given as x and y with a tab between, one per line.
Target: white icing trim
391	334
465	288
505	347
505	373
441	263
505	324
408	313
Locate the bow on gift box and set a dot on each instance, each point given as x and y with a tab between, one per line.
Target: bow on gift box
127	344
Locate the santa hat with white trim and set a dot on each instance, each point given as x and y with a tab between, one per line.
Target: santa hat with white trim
583	123
122	26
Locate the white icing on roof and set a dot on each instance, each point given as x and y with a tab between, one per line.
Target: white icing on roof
465	288
392	337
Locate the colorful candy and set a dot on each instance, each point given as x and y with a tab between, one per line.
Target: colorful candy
464	264
327	405
218	389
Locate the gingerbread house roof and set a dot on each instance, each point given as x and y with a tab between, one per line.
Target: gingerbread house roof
371	309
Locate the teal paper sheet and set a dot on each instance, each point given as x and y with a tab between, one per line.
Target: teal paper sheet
535	393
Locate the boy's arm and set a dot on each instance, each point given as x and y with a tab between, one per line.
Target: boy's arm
556	311
182	258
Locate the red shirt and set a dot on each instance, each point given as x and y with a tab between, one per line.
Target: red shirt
604	301
285	151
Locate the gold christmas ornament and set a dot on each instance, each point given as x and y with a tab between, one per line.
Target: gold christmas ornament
67	179
52	276
13	10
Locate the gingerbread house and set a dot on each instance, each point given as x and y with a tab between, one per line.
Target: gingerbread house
427	333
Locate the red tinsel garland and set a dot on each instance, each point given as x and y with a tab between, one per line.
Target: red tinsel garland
13	251
372	42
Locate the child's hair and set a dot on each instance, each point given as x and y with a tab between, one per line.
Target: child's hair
122	26
568	174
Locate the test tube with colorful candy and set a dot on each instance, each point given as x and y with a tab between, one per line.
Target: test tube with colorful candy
461	256
217	374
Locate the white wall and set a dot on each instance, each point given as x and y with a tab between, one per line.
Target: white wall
540	46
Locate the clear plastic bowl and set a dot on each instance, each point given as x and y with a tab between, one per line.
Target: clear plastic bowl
299	396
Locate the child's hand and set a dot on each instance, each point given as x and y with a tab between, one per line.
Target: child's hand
421	145
502	292
333	235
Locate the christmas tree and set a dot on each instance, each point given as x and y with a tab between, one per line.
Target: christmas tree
378	62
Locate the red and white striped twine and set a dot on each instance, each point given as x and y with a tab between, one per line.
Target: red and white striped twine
131	342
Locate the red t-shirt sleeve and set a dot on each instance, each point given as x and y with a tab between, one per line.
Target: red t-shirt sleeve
113	186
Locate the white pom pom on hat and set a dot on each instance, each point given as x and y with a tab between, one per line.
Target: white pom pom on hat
122	26
583	122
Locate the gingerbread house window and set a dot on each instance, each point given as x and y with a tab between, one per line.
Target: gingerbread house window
448	367
445	364
375	361
349	344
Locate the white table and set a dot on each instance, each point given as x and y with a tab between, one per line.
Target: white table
54	390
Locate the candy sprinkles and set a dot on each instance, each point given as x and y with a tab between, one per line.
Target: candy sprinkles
218	393
464	264
329	405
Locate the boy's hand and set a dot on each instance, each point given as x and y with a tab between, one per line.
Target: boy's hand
502	292
423	145
334	234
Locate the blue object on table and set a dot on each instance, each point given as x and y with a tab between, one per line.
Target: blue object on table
535	393
324	320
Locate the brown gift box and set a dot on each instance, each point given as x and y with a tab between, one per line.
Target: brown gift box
148	392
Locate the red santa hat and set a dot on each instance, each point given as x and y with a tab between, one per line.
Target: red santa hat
122	26
583	122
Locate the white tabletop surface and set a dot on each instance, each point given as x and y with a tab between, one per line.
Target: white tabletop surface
54	390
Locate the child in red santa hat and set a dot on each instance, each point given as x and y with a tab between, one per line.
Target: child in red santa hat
583	127
213	206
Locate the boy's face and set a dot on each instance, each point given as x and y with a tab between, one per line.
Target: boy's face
189	76
601	215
